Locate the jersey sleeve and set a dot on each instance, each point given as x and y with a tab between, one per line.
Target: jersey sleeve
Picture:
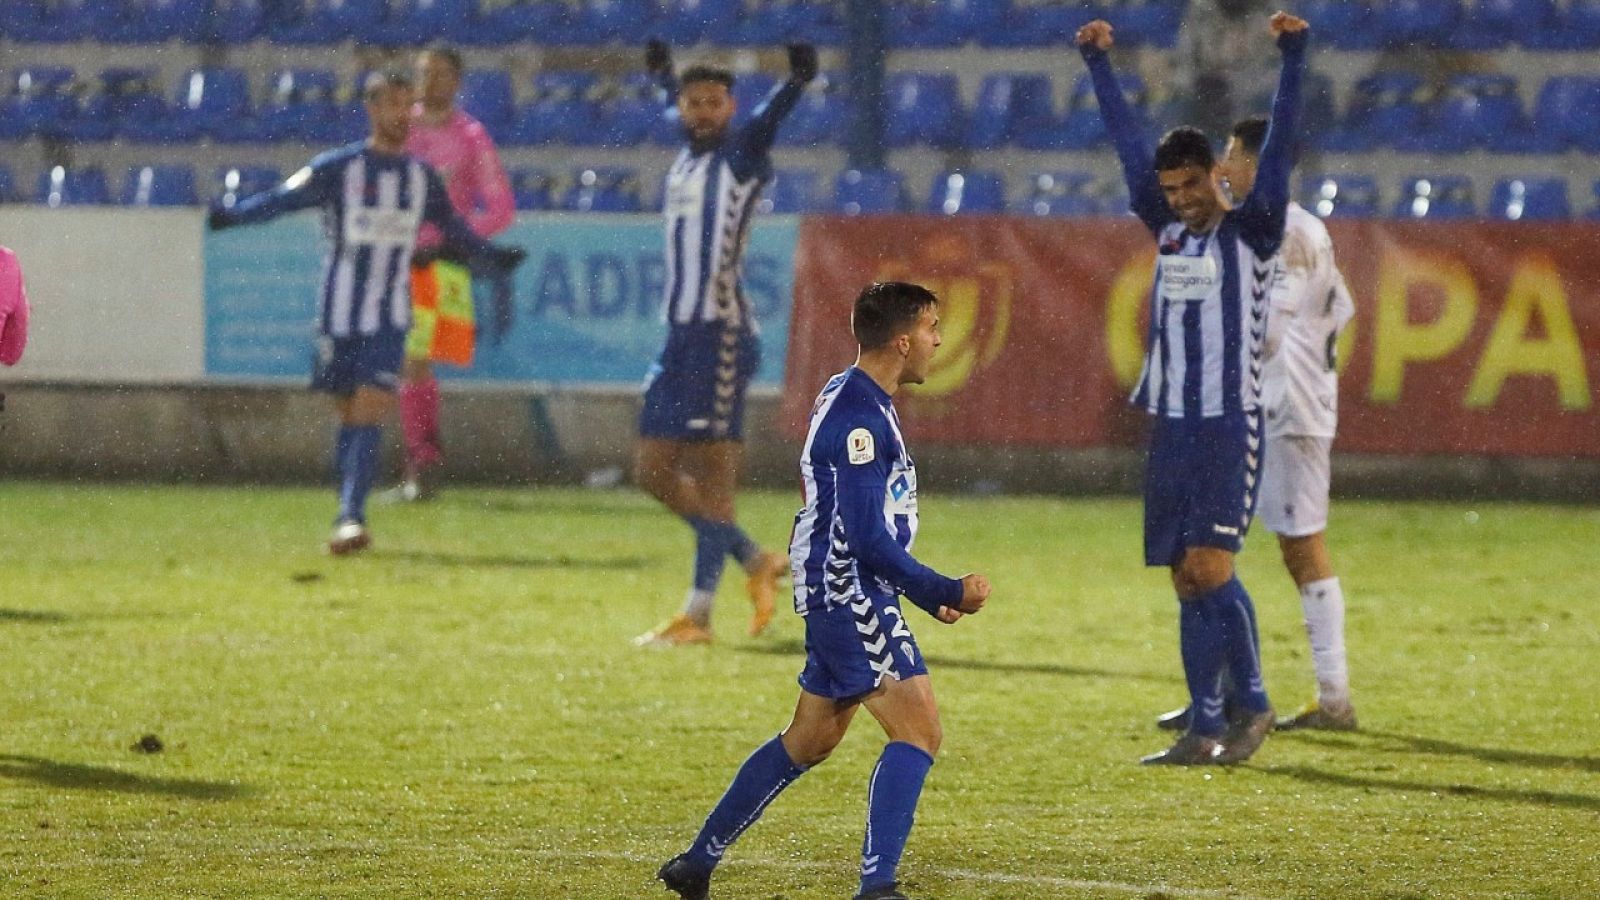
863	482
1133	151
310	187
747	155
1262	216
496	208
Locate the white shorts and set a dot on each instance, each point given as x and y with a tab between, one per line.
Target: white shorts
1294	485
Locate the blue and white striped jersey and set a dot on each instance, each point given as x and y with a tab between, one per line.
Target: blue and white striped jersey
1209	304
709	200
854	535
372	204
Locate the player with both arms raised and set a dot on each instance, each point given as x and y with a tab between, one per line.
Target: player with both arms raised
851	559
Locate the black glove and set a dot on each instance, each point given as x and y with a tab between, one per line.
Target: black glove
657	56
217	216
802	63
508	258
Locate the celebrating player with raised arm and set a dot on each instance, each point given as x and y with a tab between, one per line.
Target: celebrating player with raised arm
456	146
1202	383
691	428
851	556
374	197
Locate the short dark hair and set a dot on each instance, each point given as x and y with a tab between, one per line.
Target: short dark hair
1184	146
715	74
1251	133
887	309
448	53
378	82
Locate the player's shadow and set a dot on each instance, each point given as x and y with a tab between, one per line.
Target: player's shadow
74	776
509	561
1440	747
797	648
35	616
1506	795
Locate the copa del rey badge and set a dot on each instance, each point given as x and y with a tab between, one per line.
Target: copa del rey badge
859	444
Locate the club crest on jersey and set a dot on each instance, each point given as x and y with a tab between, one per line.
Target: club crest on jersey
860	446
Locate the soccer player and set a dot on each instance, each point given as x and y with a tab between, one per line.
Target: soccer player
1300	392
457	147
373	197
851	559
691	428
1202	383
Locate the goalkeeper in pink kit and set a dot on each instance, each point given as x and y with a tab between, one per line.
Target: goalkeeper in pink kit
459	148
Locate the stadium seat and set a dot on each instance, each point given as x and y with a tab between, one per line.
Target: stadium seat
39	100
604	189
1061	194
630	112
563	110
1384	108
684	23
1441	197
120	100
59	186
865	192
234	182
410	23
151	21
922	109
1530	199
791	191
499	24
967	193
303	103
1152	23
1344	24
595	23
1009	104
1409	24
8	185
913	24
233	22
215	102
322	22
159	186
533	189
1580	29
1340	196
1472	111
1496	24
1566	115
818	119
1081	127
52	21
486	95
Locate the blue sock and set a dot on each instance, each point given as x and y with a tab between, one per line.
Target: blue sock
891	808
341	445
1232	607
760	780
358	464
709	550
740	547
1202	643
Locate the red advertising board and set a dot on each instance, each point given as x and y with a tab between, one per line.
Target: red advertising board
1468	339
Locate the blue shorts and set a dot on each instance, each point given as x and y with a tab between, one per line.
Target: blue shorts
1200	485
851	648
695	390
341	365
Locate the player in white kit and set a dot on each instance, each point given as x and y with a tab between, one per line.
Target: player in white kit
1300	393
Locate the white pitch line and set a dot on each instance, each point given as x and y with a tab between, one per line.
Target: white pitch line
968	875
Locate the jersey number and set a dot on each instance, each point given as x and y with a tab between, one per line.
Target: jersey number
899	630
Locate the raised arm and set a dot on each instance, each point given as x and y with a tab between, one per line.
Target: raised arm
1138	163
1261	217
754	141
496	208
302	190
861	488
458	235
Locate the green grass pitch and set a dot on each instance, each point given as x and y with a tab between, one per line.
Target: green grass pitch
459	713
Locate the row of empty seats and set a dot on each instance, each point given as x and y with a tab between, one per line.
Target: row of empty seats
732	23
1387	110
854	192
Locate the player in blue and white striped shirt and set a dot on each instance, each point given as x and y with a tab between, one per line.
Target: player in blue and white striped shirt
373	197
690	431
851	556
1202	383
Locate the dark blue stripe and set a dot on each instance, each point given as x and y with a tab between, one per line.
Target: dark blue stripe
363	271
1194	359
392	296
1164	357
1235	299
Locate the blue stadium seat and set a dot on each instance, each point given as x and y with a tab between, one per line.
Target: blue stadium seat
1530	199
8	185
322	22
39	100
1344	24
684	23
1567	115
303	103
533	189
1009	104
1384	108
1153	23
1062	194
1581	26
604	189
159	186
595	23
1081	127
120	100
1340	196
59	186
215	102
53	21
1436	197
632	112
152	21
770	22
791	191
957	193
1496	24
408	23
234	182
1473	111
563	110
923	108
232	22
934	23
819	118
1409	24
498	24
859	192
486	95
